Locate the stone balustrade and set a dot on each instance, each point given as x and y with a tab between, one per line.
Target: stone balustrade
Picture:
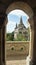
14	48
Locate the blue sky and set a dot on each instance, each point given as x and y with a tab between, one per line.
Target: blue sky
14	17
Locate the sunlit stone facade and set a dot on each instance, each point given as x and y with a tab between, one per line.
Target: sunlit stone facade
20	29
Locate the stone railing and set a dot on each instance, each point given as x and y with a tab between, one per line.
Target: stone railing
14	48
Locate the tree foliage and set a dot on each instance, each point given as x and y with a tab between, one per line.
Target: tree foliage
10	36
20	37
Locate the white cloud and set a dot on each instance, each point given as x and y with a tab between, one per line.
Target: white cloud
19	13
10	26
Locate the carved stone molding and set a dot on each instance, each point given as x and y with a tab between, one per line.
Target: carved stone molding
31	22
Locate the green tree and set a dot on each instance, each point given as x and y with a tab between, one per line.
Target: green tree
10	36
20	37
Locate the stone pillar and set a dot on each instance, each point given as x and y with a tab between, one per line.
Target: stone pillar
29	58
0	46
31	37
2	38
33	62
33	50
3	44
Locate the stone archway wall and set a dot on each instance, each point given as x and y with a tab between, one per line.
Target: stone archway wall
22	6
26	8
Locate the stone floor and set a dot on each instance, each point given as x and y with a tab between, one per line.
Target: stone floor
16	62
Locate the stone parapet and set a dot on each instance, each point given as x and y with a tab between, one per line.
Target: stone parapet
17	48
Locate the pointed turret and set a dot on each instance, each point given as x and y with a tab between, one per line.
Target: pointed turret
16	26
21	22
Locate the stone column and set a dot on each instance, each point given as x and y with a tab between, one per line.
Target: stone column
2	38
1	22
29	58
4	41
3	44
33	50
33	62
0	46
31	37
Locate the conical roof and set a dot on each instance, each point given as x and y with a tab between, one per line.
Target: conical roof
21	23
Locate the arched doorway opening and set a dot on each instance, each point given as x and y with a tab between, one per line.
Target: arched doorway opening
29	12
18	25
18	34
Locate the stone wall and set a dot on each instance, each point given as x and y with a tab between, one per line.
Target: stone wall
14	48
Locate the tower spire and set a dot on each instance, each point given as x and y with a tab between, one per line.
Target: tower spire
21	20
16	26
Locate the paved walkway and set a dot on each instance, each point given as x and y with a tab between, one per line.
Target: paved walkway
16	62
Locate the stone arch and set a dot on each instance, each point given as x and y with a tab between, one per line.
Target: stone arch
28	10
22	6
